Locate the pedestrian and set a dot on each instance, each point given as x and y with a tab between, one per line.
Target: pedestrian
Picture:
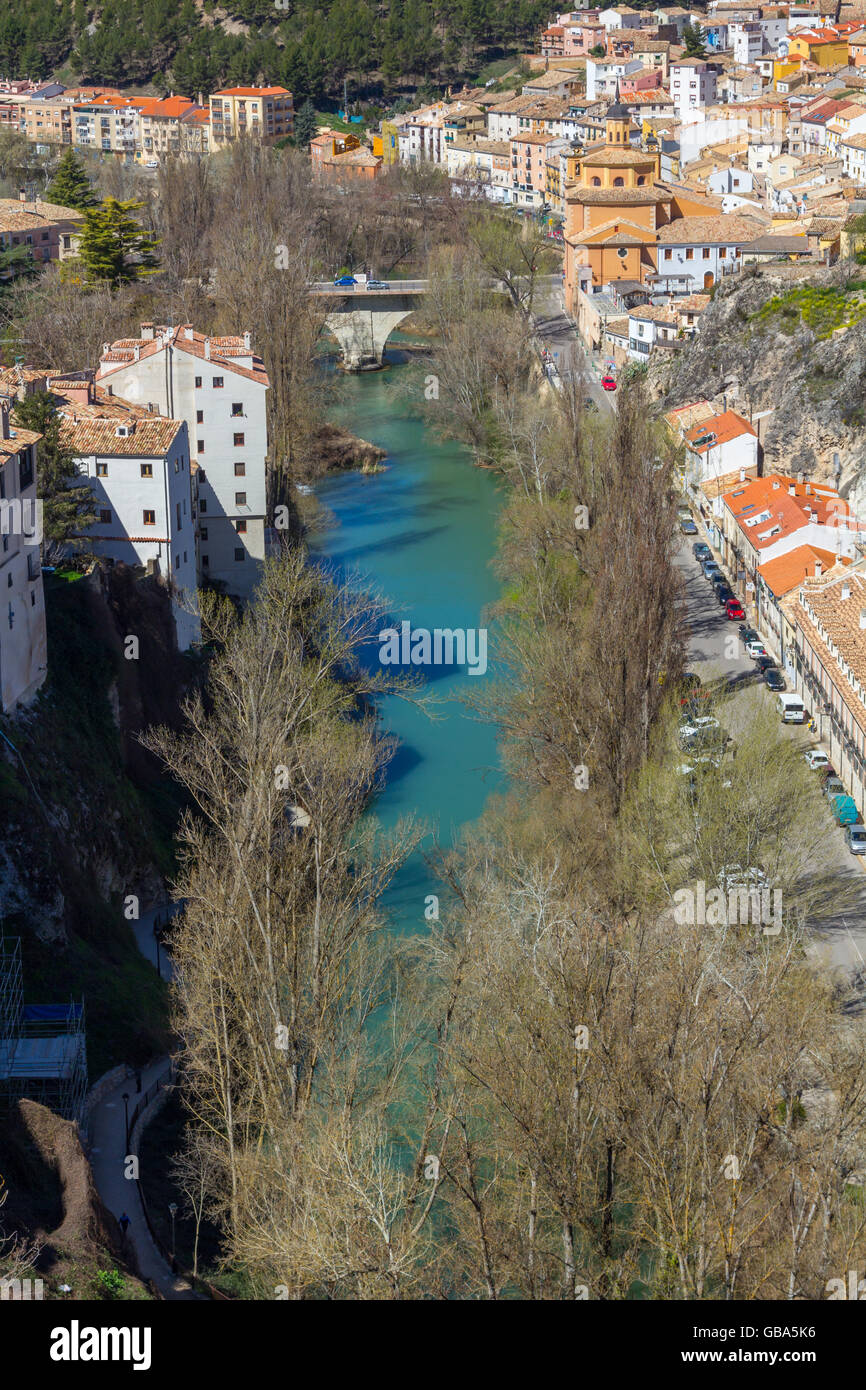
123	1223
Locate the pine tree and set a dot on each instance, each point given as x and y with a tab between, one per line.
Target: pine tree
66	511
305	125
113	246
693	41
70	187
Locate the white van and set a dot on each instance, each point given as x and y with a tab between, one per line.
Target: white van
791	708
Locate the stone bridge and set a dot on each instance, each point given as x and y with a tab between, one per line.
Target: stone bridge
362	320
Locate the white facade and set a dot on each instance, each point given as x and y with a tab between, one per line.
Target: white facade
623	18
217	386
854	158
730	180
704	264
603	75
693	86
747	41
23	642
138	469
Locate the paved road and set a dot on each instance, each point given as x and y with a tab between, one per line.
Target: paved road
394	287
841	939
108	1147
557	332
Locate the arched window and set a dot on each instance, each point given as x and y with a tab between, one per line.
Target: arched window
618	183
641	180
596	183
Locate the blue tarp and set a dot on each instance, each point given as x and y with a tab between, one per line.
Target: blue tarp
50	1013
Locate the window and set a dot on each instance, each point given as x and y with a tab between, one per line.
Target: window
237	407
596	183
200	445
147	470
198	382
199	417
202	504
641	180
690	255
205	561
104	516
240	470
239	552
240	526
619	183
101	469
179	522
203	533
149	518
239	439
667	253
217	382
177	562
706	253
240	499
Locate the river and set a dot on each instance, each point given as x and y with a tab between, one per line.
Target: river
422	533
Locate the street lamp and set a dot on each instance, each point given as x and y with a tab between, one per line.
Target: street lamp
126	1115
172	1207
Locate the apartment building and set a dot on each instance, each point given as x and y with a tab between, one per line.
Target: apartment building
137	465
218	387
21	226
529	170
698	251
23	641
45	218
264	112
771	516
693	86
110	124
160	126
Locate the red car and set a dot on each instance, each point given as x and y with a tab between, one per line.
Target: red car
734	609
608	383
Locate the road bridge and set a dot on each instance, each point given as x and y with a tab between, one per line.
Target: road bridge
362	319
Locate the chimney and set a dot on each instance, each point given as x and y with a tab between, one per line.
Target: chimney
742	475
207	349
863	617
147	331
808	489
188	333
136	353
248	340
819	569
22	195
4	417
776	484
846	590
792	489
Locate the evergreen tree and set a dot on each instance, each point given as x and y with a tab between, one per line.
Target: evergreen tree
70	187
113	246
693	41
305	125
66	511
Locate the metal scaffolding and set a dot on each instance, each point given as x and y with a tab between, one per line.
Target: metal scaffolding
43	1053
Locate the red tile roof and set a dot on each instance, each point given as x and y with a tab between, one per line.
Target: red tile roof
783	506
787	571
223	352
725	427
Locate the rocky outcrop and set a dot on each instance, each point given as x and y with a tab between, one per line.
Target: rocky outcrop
792	343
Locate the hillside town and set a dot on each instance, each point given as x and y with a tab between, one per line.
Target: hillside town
326	981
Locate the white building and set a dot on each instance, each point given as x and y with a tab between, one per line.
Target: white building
137	465
722	446
619	17
604	74
747	39
23	643
217	386
701	250
853	150
693	85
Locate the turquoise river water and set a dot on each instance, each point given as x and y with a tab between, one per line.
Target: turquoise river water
422	534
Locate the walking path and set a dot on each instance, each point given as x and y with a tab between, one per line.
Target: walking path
108	1148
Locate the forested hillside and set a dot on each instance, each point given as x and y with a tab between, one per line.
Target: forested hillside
307	46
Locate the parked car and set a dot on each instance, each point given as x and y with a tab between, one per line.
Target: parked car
765	663
833	786
724	594
345	282
844	810
774	679
608	383
688	527
755	648
710	568
816	759
694	727
856	838
734	609
701	551
378	285
746	633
